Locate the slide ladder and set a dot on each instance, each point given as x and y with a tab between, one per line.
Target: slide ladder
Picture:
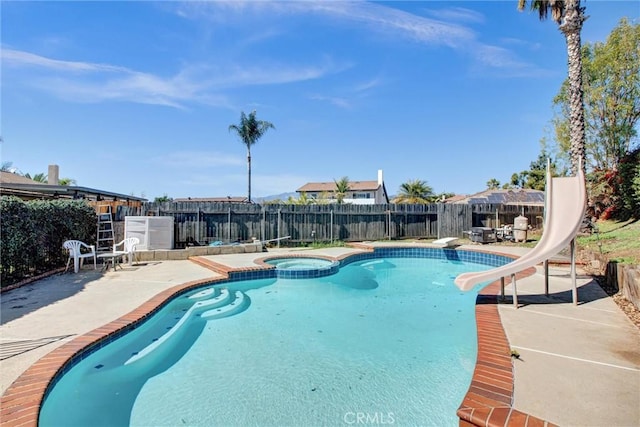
105	229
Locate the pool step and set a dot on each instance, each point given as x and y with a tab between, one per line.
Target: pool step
207	293
222	299
239	304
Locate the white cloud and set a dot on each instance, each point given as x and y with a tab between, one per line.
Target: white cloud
11	57
505	61
367	85
371	16
459	14
447	29
89	82
333	100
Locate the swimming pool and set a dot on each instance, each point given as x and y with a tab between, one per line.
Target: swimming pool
290	352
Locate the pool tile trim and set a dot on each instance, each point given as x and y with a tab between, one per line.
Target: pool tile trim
487	402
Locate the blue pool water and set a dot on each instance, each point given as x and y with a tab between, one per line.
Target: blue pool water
390	340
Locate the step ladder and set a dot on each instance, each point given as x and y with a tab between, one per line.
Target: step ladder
105	229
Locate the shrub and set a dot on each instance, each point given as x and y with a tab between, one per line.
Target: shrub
33	233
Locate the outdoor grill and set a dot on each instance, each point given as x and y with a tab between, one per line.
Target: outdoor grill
482	235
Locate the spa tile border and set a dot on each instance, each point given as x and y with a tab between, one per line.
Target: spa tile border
487	403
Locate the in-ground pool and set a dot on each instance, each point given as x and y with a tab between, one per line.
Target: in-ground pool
389	338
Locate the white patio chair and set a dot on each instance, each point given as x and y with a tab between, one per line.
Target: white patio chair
79	251
128	248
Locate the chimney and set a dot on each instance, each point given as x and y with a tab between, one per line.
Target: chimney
380	181
53	175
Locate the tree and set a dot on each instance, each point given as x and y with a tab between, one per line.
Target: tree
611	84
66	181
342	187
493	184
250	130
163	199
569	15
304	199
612	110
415	192
517	180
39	177
536	177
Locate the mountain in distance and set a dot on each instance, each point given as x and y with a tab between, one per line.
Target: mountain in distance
281	196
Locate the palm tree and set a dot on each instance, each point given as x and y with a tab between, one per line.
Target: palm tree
415	192
66	181
569	15
6	166
250	130
342	186
493	184
39	177
304	199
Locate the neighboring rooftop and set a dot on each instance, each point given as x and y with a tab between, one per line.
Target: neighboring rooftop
12	184
522	196
228	199
330	187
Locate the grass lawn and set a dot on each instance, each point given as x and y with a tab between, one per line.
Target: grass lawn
618	241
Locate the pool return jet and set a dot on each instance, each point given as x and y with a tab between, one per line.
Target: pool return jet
565	206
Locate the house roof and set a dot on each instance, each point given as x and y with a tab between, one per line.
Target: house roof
455	198
15	185
330	187
228	199
13	178
522	196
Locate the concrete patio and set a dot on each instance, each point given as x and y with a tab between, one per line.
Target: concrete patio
578	366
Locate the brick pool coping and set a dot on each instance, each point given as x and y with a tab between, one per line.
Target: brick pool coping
487	402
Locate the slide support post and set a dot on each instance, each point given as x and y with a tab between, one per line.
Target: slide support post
546	277
574	284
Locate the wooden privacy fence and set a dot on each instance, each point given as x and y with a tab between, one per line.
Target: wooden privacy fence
206	222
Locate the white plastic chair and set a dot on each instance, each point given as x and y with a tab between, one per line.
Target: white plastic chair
79	251
128	248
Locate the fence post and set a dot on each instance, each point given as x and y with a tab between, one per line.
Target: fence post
262	226
229	224
331	230
278	227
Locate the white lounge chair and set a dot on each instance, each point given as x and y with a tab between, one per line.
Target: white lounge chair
128	248
79	251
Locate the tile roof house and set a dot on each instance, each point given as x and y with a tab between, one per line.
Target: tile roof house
360	192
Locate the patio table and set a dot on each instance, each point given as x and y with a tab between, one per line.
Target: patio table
110	259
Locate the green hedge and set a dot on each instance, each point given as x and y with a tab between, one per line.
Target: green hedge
33	233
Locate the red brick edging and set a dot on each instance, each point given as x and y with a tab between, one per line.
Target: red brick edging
487	402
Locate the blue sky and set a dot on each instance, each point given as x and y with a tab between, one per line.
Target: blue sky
137	97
